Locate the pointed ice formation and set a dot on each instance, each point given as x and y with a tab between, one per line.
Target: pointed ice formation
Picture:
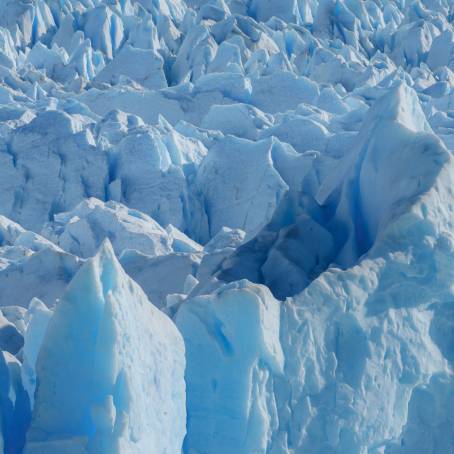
307	145
37	319
381	327
110	370
378	184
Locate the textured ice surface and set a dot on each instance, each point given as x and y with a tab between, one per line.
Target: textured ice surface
236	329
276	176
240	188
31	266
37	319
82	230
14	403
110	369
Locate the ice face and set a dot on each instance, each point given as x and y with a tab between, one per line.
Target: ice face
111	348
14	404
31	266
249	182
232	352
277	178
37	319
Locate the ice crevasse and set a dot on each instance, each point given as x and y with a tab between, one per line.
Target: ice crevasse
226	226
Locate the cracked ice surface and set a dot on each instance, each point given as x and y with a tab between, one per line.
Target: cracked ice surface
226	226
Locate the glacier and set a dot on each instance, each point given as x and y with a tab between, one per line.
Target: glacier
226	226
105	349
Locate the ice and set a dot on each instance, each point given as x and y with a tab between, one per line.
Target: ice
160	276
277	178
31	265
37	319
225	238
104	28
82	230
241	120
302	133
11	340
105	348
398	115
26	22
265	10
429	426
47	59
300	253
440	53
151	167
16	315
14	405
251	187
50	164
195	54
181	242
282	91
235	329
149	74
221	246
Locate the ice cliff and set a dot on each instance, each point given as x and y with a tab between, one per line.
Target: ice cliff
110	369
226	226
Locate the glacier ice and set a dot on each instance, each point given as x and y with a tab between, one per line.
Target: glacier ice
149	73
50	164
232	353
241	189
160	276
82	230
11	339
226	226
106	348
14	404
31	266
36	319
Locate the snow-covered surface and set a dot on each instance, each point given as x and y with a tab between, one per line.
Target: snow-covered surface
227	226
